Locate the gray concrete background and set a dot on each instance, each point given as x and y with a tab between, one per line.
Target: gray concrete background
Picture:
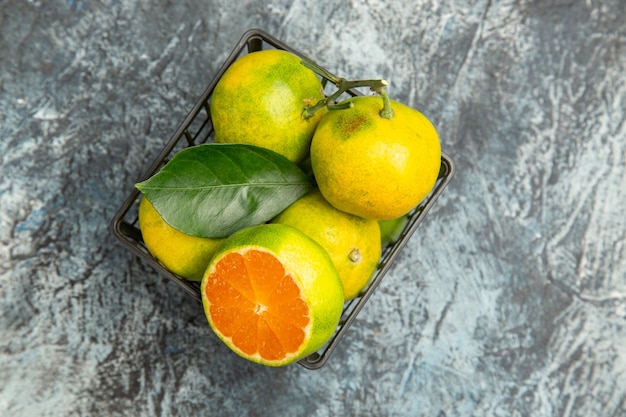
510	299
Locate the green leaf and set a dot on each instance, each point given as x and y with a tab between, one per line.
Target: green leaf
213	190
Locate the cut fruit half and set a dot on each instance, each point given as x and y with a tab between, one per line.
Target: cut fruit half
272	294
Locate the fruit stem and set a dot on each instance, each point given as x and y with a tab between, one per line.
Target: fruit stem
354	256
387	111
322	72
344	85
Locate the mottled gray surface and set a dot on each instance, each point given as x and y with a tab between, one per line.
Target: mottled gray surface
510	300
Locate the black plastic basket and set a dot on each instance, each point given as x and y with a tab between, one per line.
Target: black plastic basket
197	129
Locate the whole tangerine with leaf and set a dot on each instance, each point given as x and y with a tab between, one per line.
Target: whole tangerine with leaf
272	294
262	99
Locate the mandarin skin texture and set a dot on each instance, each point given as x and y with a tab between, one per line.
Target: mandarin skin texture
373	167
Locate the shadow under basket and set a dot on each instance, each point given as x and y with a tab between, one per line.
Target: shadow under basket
196	129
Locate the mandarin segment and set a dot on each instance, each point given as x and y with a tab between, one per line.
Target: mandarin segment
223	294
245	338
292	309
271	346
229	319
265	273
231	274
284	292
290	336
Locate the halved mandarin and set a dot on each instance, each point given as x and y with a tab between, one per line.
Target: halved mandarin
272	294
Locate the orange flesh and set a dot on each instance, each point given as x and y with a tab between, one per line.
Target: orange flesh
257	305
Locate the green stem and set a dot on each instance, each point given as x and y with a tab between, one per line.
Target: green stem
322	72
387	111
344	85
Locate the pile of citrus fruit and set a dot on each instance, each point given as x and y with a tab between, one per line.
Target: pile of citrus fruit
280	218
